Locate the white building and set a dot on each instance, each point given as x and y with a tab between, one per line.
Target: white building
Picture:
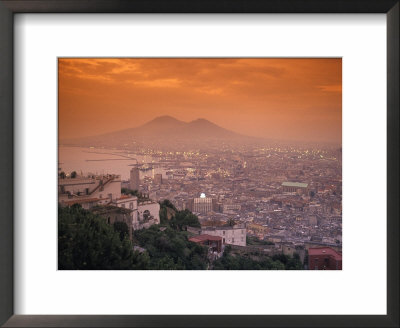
148	213
104	187
106	190
235	235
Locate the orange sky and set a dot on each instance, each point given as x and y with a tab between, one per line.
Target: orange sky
298	99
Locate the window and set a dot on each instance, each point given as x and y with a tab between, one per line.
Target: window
146	215
233	240
131	206
223	232
242	232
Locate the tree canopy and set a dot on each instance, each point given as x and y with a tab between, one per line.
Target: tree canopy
87	242
170	249
236	261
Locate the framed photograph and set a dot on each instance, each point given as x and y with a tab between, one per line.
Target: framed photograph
194	164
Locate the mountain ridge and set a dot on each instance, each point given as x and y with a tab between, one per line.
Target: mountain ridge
160	129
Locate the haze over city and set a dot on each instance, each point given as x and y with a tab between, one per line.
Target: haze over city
200	164
282	99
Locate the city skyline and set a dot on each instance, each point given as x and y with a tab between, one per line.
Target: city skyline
200	164
286	99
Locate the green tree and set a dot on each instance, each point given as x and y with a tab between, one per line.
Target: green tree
87	242
231	222
128	191
170	249
183	219
122	229
167	203
252	240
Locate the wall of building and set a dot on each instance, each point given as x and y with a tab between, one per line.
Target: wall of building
323	262
130	203
202	205
152	207
108	188
233	236
134	179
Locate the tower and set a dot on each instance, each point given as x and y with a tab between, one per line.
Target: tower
134	181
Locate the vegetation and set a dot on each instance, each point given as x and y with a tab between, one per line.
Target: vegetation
167	203
250	240
180	220
166	207
291	263
232	261
122	229
231	222
127	191
73	174
235	261
183	219
136	193
170	249
87	242
168	246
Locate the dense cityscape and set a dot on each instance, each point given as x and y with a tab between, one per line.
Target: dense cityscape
193	164
286	194
279	199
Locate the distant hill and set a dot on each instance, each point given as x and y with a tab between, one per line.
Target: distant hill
163	131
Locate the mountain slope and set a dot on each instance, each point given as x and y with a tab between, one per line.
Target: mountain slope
160	131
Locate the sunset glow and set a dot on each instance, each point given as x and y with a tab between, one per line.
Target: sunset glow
288	99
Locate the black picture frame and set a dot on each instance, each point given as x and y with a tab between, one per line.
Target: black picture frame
7	10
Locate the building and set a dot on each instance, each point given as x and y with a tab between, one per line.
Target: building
113	214
158	178
200	204
134	180
104	187
324	258
235	235
148	214
295	187
230	208
86	203
214	244
144	213
102	195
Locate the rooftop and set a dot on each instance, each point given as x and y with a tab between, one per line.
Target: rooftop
126	197
80	201
320	251
200	238
103	209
